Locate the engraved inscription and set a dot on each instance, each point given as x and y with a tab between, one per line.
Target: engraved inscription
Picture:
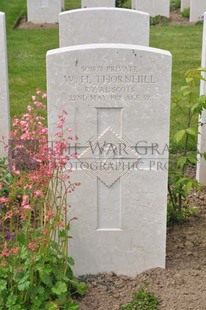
110	83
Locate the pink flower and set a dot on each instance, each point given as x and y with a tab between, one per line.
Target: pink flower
39	104
29	108
38	193
4	200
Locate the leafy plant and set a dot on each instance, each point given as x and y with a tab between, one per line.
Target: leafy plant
175	4
190	105
142	300
121	3
35	266
186	12
159	20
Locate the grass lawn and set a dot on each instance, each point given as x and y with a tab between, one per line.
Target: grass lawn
27	49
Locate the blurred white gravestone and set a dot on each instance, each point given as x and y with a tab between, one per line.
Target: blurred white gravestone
185	4
153	7
117	96
44	11
197	9
103	25
4	87
97	3
201	163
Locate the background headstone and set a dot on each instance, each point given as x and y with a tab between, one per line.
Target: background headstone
103	25
44	11
4	88
97	3
185	4
153	7
116	94
201	164
197	9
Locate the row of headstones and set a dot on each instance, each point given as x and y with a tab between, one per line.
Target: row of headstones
47	11
196	7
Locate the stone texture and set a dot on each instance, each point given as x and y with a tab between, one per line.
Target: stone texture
197	9
185	4
103	25
117	95
97	3
201	164
44	11
153	7
4	88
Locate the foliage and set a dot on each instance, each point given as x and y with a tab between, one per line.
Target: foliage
190	106
159	20
175	4
122	4
186	12
35	267
142	300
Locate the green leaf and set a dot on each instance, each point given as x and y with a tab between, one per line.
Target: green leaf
11	301
24	286
181	162
71	305
46	279
191	132
192	159
179	135
70	261
3	285
81	288
59	288
51	306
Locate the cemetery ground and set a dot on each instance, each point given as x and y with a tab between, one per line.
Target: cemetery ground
182	285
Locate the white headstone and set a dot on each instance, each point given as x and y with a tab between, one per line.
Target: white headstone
118	98
97	3
201	163
197	9
185	4
44	11
4	88
103	25
153	7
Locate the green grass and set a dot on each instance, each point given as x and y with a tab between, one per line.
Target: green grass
27	50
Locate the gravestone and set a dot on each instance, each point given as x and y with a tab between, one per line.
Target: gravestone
118	100
197	9
153	7
44	11
4	88
103	25
97	3
201	163
185	4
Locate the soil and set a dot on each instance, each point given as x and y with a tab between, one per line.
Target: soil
175	19
182	285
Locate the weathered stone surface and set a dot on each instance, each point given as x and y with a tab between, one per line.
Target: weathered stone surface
4	88
185	4
103	25
44	11
153	7
197	9
97	3
201	163
118	100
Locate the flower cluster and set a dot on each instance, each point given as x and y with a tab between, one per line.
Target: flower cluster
34	231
